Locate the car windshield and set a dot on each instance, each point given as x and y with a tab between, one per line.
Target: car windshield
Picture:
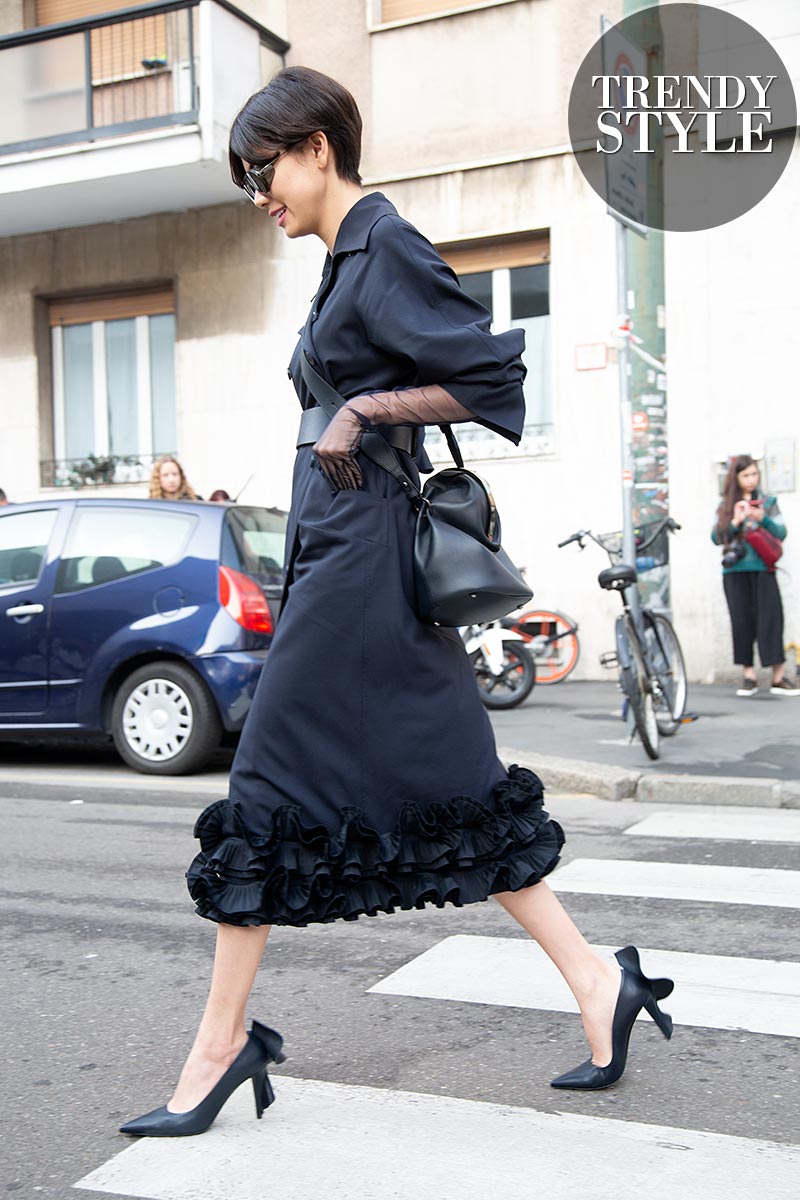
254	541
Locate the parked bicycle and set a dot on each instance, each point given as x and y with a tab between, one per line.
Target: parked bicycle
652	673
504	670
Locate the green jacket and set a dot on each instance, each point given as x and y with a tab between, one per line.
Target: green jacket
773	522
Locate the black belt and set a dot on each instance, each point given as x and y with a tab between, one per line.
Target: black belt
314	422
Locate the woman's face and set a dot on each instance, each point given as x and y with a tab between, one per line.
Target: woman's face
748	478
169	476
296	196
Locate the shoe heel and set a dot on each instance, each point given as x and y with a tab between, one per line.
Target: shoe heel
264	1095
279	1058
663	1020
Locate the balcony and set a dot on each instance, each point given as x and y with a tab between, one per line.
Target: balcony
126	113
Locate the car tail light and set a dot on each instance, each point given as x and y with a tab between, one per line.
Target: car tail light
244	600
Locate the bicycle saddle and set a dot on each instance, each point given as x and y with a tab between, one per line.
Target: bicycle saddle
615	578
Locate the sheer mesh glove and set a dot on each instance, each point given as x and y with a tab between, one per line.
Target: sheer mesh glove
336	450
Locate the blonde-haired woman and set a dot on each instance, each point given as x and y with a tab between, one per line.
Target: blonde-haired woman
168	481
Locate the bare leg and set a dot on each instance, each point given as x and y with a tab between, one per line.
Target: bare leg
593	982
777	672
221	1034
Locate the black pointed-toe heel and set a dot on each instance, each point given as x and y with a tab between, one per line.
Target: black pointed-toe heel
636	991
262	1047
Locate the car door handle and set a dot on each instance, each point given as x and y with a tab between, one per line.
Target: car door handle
25	610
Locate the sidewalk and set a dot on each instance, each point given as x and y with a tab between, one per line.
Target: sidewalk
739	751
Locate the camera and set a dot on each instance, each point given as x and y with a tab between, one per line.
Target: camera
732	553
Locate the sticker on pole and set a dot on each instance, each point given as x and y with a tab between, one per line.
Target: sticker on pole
682	117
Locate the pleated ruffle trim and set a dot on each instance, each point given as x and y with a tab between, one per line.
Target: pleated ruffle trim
457	853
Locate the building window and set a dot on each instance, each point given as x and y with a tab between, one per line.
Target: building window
511	277
113	387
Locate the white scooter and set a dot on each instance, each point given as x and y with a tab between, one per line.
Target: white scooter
505	670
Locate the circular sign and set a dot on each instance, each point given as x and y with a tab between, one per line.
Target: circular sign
682	117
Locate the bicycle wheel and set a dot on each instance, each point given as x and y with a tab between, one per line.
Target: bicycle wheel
552	639
636	685
515	682
666	663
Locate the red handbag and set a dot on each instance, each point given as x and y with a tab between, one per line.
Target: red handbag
766	545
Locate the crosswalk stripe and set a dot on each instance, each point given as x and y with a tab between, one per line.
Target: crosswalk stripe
723	823
122	779
679	881
341	1140
711	991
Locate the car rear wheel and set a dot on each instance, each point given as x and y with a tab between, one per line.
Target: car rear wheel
163	721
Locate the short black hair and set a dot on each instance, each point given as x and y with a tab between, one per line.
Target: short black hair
3	496
297	102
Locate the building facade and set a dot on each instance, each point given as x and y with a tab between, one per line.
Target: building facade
147	307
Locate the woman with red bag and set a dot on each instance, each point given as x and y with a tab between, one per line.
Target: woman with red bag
750	529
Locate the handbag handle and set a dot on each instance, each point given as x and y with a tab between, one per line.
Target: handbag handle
372	444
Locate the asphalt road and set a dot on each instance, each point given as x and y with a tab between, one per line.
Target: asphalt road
106	969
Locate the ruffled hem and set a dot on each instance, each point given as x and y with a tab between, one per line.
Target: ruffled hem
457	853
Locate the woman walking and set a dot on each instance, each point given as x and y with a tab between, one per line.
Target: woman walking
751	588
366	779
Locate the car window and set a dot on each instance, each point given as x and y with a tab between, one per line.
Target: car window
254	541
23	543
104	544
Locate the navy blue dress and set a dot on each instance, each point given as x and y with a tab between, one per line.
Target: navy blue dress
366	778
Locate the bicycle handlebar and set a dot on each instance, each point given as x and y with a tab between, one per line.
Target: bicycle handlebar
666	523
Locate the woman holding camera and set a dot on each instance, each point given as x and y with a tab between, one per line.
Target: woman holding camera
751	588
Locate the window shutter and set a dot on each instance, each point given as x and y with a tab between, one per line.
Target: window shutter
52	12
117	50
402	10
487	254
81	310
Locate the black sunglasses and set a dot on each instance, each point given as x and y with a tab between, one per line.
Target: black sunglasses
260	179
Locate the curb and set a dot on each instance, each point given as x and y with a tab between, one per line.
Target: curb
619	783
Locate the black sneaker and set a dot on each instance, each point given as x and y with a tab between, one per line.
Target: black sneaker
749	688
784	688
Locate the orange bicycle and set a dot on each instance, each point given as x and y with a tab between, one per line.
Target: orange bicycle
551	638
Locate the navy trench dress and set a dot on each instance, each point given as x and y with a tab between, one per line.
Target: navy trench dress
366	778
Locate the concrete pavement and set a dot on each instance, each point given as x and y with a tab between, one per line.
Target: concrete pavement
573	736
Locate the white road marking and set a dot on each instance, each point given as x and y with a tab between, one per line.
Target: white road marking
722	824
123	779
711	991
679	881
341	1141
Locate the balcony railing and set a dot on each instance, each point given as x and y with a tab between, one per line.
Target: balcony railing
96	470
116	73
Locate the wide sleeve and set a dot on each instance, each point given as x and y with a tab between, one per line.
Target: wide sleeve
412	307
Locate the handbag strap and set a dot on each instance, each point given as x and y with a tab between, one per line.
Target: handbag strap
375	447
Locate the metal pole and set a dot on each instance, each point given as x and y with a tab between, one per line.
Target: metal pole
626	423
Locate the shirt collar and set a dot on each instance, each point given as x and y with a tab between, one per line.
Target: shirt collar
354	231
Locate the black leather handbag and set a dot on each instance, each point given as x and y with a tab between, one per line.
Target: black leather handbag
462	574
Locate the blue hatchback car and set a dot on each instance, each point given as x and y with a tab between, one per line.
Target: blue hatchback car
146	619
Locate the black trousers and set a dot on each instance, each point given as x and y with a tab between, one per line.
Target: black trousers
754	602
